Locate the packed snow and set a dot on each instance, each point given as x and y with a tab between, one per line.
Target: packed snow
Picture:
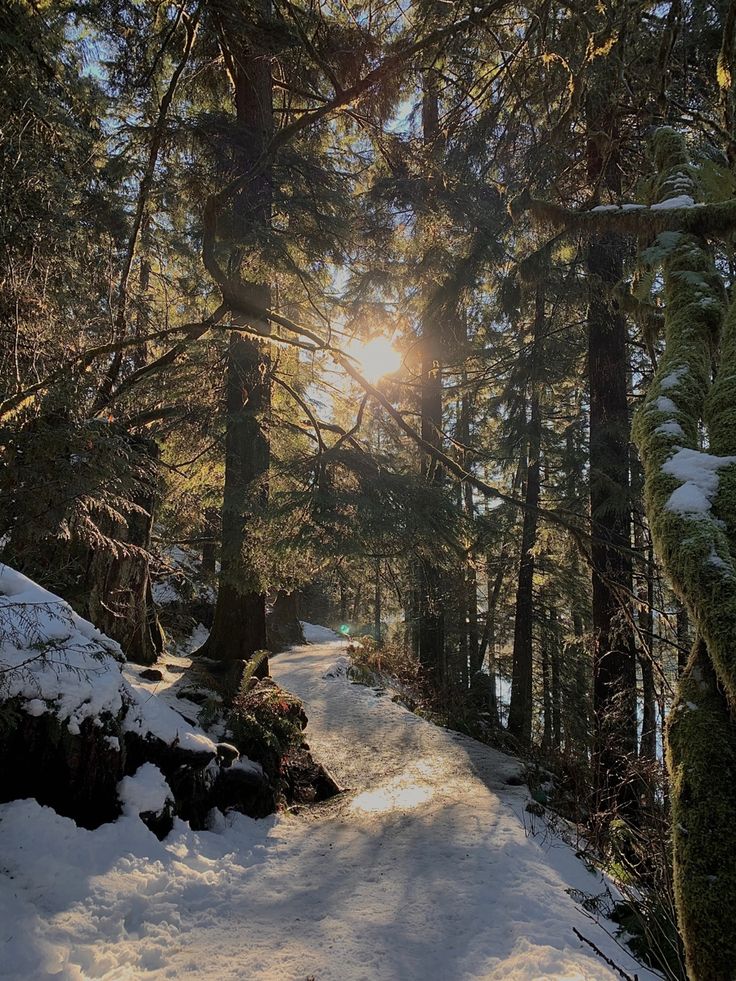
428	869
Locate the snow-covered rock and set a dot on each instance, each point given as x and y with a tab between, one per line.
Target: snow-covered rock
79	735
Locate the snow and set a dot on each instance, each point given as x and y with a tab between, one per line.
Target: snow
680	201
165	592
57	662
51	657
698	473
671	428
717	562
670	380
664	404
146	790
59	621
314	634
151	714
431	869
177	578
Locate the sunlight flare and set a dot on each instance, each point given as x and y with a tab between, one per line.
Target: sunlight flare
374	358
399	794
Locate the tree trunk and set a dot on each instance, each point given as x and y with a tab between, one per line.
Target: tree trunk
546	693
118	586
614	656
431	617
577	700
520	710
695	374
284	626
209	546
683	637
343	602
239	627
556	681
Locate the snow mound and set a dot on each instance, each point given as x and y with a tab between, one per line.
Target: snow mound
53	659
145	791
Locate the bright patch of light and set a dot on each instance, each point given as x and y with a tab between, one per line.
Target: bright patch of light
374	358
398	795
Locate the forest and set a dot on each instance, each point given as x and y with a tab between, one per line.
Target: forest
368	489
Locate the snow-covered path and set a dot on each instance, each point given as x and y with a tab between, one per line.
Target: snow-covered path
426	872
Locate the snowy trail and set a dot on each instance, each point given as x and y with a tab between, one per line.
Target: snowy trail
426	872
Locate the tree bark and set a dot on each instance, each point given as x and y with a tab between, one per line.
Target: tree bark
431	625
239	627
284	626
614	654
520	710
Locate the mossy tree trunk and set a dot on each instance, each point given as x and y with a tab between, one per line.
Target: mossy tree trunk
691	508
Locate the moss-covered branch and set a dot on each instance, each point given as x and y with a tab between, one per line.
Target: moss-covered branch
641	220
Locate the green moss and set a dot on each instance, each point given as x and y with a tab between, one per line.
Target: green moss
702	764
695	550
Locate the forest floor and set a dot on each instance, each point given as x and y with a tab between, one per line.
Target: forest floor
428	869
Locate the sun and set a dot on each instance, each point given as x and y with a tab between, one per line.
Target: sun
374	358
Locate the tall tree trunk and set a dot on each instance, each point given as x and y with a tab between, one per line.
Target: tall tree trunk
614	655
520	709
209	546
284	626
577	691
239	627
431	625
488	637
343	602
469	605
119	598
